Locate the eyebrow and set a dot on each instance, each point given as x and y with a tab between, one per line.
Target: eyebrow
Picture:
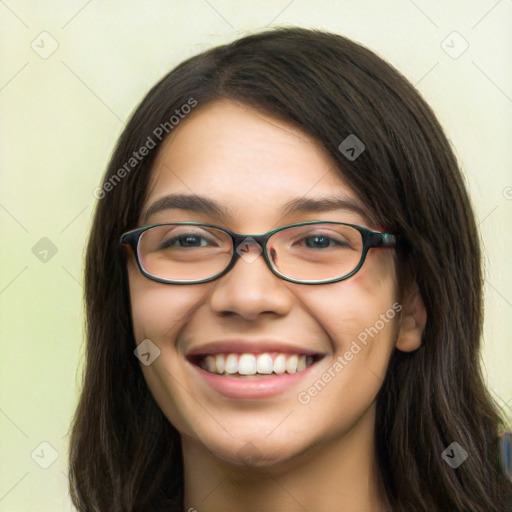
209	206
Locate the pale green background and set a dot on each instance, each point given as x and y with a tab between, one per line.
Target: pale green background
61	116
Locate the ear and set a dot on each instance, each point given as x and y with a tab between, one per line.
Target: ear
412	321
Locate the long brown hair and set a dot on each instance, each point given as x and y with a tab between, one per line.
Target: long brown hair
124	453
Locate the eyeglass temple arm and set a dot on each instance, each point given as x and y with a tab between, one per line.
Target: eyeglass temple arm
382	240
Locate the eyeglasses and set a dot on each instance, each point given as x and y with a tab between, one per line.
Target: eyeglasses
305	253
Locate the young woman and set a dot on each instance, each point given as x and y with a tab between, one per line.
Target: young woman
284	297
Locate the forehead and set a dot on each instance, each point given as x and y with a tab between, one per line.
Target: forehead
247	161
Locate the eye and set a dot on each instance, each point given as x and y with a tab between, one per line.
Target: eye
184	240
179	237
320	241
188	240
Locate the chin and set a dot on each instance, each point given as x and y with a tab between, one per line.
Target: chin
256	452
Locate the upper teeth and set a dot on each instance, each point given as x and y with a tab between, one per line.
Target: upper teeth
251	364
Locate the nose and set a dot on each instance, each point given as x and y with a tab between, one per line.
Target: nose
250	288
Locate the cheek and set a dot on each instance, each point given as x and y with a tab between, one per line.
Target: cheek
158	309
160	313
360	316
363	307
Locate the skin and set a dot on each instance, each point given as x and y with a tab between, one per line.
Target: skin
275	453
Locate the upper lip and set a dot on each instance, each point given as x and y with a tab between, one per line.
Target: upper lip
251	346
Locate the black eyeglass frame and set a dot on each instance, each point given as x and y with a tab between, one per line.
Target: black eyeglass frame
370	239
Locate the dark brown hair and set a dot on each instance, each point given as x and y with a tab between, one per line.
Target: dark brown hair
124	453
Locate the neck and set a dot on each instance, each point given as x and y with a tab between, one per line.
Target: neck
336	475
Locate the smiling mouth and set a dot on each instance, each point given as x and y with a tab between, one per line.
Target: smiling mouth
249	365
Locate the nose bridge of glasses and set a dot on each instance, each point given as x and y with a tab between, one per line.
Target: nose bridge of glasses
249	247
241	240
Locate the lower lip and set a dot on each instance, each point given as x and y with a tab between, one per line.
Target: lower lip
259	387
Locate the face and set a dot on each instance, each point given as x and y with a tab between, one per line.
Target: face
252	165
